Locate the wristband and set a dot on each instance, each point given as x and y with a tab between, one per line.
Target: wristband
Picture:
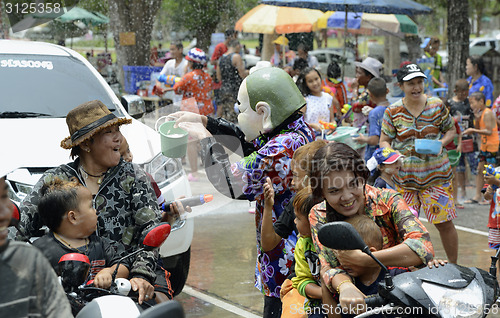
342	282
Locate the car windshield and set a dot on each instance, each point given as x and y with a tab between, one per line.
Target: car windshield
48	86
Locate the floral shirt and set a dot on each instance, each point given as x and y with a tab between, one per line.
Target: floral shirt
419	171
198	85
482	84
126	207
244	179
391	213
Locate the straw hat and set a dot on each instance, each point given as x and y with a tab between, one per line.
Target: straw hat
281	40
86	120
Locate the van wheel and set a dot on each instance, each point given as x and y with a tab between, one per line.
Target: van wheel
178	266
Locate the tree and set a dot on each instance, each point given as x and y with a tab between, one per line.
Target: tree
137	18
458	39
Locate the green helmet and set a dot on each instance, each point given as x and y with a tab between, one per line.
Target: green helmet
275	87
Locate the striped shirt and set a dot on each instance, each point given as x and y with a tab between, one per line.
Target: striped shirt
418	171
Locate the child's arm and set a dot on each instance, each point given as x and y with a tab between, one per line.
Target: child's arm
489	124
488	195
103	278
313	291
269	238
329	302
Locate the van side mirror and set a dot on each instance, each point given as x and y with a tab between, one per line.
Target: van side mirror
134	105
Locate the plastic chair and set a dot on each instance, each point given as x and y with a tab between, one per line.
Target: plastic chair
440	92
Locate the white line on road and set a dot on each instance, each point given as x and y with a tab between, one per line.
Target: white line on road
219	303
465	229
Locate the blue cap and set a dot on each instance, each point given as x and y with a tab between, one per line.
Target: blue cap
382	155
425	43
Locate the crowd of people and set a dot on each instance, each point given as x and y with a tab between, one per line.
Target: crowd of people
282	114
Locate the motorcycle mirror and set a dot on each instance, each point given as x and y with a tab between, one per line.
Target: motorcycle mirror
74	269
156	236
14	221
341	236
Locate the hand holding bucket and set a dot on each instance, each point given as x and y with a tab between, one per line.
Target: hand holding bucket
194	124
173	139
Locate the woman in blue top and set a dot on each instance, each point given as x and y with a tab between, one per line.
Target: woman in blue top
478	81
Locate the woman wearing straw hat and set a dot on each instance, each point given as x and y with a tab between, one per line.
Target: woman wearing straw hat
122	192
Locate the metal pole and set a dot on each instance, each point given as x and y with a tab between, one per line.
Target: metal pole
345	42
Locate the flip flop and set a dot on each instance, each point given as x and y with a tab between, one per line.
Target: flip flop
459	206
471	201
484	202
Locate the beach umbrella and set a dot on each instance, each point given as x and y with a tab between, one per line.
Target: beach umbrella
365	23
269	19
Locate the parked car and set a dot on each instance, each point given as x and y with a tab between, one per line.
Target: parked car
39	85
486	42
326	56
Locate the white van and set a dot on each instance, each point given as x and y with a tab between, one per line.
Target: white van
39	84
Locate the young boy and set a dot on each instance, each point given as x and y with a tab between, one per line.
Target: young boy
66	208
377	91
307	266
386	163
460	110
488	132
366	279
492	194
30	288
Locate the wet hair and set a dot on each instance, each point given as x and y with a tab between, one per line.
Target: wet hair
335	156
301	80
303	47
377	87
233	43
229	33
197	66
368	229
462	85
303	202
477	96
58	196
177	44
304	154
478	61
333	70
300	64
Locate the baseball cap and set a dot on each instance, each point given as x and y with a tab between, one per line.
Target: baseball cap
409	71
425	43
386	156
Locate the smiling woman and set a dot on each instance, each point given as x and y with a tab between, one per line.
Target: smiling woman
338	179
122	194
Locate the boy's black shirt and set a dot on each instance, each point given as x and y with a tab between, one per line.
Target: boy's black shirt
100	253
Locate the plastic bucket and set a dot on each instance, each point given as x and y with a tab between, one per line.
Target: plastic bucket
173	140
454	157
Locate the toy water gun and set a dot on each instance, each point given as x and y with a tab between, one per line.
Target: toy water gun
346	108
169	79
490	170
327	125
192	201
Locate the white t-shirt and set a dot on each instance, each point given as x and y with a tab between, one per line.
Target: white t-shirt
318	108
170	69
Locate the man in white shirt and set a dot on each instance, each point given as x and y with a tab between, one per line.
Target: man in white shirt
176	66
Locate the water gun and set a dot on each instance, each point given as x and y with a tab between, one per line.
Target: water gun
346	108
169	79
490	170
327	125
192	201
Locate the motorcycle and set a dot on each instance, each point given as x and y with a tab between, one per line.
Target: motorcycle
88	301
446	291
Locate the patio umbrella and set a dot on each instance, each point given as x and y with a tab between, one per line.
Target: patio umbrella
87	17
366	22
269	19
407	7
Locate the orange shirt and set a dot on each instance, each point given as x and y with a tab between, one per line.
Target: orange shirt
488	143
196	85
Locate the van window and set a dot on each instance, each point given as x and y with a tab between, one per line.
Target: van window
50	85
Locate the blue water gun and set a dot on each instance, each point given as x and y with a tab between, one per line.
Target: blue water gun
490	170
